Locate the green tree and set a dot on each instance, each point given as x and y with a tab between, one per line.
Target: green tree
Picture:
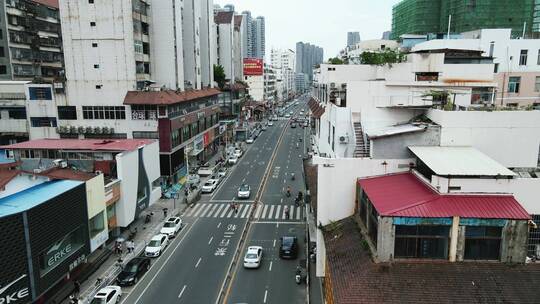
388	56
219	75
335	60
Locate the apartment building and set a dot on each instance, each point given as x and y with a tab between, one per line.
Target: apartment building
283	62
238	48
225	42
31	41
308	56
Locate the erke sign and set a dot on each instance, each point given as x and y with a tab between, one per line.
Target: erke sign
13	296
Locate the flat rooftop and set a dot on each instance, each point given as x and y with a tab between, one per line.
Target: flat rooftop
459	161
395	130
118	145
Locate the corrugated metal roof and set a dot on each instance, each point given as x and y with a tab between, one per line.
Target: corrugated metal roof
223	17
404	195
167	97
81	144
459	161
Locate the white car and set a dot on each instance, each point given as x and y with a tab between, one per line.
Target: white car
222	172
238	153
171	226
244	191
253	257
270	124
210	186
108	295
156	245
249	140
233	160
287	115
193	179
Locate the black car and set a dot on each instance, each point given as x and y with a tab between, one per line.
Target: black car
293	125
288	248
133	271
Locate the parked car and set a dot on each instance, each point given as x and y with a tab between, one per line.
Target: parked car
253	257
108	295
244	191
270	123
293	125
264	127
210	185
232	160
133	271
171	227
156	245
222	172
193	179
287	115
288	248
238	153
250	140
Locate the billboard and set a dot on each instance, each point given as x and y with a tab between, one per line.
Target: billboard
253	67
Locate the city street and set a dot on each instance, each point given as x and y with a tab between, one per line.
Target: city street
195	265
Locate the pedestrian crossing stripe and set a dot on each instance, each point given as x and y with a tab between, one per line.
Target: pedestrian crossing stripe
262	212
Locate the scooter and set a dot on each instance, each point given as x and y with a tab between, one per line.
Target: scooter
293	177
300	275
148	218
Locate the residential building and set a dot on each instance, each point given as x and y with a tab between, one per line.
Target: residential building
352	53
237	46
283	62
208	42
425	16
517	62
247	35
301	82
353	38
225	43
386	35
259	37
13	116
307	58
191	19
231	101
270	83
31	41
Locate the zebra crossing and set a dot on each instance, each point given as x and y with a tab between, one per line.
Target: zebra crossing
263	212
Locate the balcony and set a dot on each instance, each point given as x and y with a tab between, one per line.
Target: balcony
112	192
13	126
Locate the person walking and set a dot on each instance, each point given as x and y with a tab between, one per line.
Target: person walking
130	246
286	212
76	288
236	208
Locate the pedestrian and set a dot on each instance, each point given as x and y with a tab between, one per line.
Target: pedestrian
236	208
165	210
287	212
119	248
77	288
130	246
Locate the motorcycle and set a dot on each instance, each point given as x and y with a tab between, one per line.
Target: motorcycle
293	177
300	275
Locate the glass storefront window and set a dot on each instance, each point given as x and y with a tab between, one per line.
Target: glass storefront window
60	250
96	224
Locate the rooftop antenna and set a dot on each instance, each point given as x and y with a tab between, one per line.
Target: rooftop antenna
449	23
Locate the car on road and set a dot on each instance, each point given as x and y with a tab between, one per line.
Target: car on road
290	112
210	185
108	295
264	127
156	245
293	125
222	172
232	160
133	271
288	248
238	153
287	115
244	191
193	179
270	123
253	257
171	227
250	140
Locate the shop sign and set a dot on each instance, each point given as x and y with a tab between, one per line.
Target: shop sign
14	296
206	137
77	262
198	145
60	251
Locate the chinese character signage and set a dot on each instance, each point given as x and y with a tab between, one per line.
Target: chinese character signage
253	67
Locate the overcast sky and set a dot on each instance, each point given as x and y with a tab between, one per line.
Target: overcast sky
321	22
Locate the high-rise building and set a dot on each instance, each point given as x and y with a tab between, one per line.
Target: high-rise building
386	35
253	37
259	38
237	47
353	38
225	42
247	38
283	63
307	57
208	43
30	41
432	16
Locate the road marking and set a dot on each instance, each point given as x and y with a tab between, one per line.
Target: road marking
198	262
277	223
208	208
165	263
230	213
182	292
281	201
200	209
239	210
258	211
246	210
244	180
298	210
193	210
264	211
218	211
265	295
225	211
270	268
277	212
219	225
271	212
291	212
274	243
210	241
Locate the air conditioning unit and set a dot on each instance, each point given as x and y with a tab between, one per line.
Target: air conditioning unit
344	139
89	130
37	171
57	162
105	130
63	164
332	85
81	130
98	172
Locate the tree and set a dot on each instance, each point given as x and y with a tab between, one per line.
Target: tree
335	60
387	56
219	75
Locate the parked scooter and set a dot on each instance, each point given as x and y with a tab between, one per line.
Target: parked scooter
148	218
300	275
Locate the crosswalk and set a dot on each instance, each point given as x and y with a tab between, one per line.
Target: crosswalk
263	212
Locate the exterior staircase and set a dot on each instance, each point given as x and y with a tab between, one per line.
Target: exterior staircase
362	147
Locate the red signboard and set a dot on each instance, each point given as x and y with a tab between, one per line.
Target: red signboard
253	67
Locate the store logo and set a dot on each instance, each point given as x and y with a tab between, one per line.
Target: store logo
15	296
57	252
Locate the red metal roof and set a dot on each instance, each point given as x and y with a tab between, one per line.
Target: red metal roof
6	176
51	3
81	144
167	97
315	108
66	173
223	17
405	195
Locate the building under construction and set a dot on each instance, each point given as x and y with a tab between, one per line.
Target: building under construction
432	16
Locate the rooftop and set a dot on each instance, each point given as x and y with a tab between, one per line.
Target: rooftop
167	97
34	196
118	145
459	161
50	3
394	130
315	108
404	195
355	278
66	173
223	17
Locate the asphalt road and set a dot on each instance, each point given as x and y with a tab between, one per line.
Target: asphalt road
194	266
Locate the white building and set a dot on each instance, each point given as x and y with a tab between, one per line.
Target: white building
208	43
225	42
517	62
238	45
283	62
353	52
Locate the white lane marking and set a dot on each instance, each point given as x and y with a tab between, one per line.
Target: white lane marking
239	210
164	263
265	295
198	262
270	267
213	209
182	292
219	210
225	211
298	210
210	240
291	212
277	212
200	209
246	211
258	211
281	201
230	213
219	225
190	213
274	243
265	209
271	211
206	209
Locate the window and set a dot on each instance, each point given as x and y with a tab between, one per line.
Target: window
329	130
39	122
427	76
3	70
96	66
96	224
185	133
523	57
482	243
90	1
98	86
138	46
496	68
538	59
94	44
422	241
2	53
67	112
104	112
1	34
513	84
92	23
333	138
16	113
145	134
143	112
40	93
537	84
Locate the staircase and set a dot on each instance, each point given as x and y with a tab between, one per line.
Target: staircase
362	148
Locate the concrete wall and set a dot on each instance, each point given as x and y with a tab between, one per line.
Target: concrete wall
191	43
386	239
95	198
41	108
510	137
255	87
340	119
225	53
514	242
395	147
208	44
